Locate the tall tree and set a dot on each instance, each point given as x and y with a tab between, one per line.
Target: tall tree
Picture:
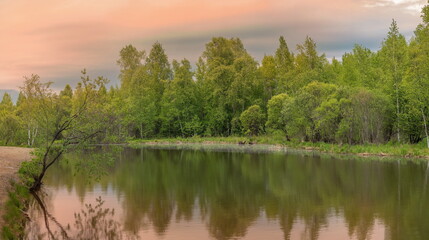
180	104
308	58
78	127
230	72
6	102
283	57
129	60
268	73
359	68
147	86
393	61
417	77
9	122
308	65
276	120
284	62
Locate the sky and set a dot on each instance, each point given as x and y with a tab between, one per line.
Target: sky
56	39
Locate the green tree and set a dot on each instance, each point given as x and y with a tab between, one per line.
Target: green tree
359	68
245	88
284	64
230	74
268	73
6	103
393	61
372	115
307	101
283	57
130	59
253	120
37	109
276	120
327	119
416	81
180	104
10	124
147	86
309	65
74	129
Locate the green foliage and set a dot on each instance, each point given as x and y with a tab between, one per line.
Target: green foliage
29	170
181	91
252	120
303	112
10	123
367	97
6	102
277	120
359	68
129	60
16	205
277	138
10	126
146	89
230	84
393	60
327	118
268	74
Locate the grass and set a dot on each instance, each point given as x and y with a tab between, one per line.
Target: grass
389	149
15	217
19	196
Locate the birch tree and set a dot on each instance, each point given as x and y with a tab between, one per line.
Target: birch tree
417	78
393	58
43	107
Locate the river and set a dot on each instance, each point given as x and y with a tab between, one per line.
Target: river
234	193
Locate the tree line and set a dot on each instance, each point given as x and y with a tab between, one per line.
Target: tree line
366	97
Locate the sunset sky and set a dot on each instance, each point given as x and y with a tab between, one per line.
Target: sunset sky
56	39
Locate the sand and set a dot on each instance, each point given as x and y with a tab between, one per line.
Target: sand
10	160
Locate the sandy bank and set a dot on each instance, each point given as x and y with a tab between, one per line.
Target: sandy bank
10	160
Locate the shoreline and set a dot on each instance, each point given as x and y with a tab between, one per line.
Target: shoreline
368	150
10	162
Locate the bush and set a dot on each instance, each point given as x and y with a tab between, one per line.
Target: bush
253	120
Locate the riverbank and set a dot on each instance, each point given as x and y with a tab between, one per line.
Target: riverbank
382	150
10	162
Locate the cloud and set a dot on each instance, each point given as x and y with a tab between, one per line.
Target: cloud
412	6
58	38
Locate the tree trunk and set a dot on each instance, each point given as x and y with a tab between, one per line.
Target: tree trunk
141	130
395	79
34	136
397	113
426	127
29	136
181	128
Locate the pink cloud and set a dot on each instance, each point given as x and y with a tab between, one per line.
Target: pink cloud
57	38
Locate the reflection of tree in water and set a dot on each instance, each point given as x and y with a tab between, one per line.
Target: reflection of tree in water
38	210
230	191
96	222
92	222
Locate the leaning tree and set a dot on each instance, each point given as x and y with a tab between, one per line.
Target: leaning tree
61	122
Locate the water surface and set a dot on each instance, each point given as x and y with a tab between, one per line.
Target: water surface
168	193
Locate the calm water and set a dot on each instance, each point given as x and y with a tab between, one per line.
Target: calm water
207	194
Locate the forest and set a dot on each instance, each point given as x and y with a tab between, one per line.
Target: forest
364	97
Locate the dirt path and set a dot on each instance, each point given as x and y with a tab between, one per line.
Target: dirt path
10	160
